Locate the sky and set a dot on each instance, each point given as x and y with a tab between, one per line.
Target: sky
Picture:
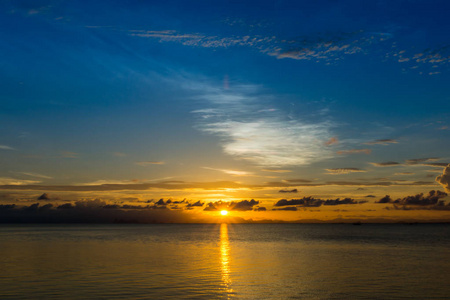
302	111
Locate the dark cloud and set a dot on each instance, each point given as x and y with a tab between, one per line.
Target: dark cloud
46	207
130	206
305	202
196	204
298	180
7	206
431	199
243	205
260	209
44	196
93	211
385	199
160	202
211	207
82	204
217	205
370	196
289	208
288	191
386	164
339	201
112	206
179	202
66	206
444	179
313	202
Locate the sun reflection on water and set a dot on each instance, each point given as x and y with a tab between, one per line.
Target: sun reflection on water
225	257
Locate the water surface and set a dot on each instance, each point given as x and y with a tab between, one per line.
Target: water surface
224	261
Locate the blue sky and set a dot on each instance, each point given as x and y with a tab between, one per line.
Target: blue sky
249	93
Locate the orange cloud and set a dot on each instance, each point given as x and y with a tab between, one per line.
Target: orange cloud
382	142
332	141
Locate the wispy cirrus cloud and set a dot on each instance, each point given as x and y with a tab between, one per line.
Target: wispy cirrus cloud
338	171
332	141
412	162
124	182
326	48
354	151
386	164
276	170
37	175
267	137
69	154
438	165
382	142
432	58
14	181
149	163
415	161
111	182
131	185
119	154
4	147
203	40
322	47
231	172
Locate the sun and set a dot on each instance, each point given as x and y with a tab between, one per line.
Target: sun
224	212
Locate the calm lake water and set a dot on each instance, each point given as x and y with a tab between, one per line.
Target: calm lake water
236	261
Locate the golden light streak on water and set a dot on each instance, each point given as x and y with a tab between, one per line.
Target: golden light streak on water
225	258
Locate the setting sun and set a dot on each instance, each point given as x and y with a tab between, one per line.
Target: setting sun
224	212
